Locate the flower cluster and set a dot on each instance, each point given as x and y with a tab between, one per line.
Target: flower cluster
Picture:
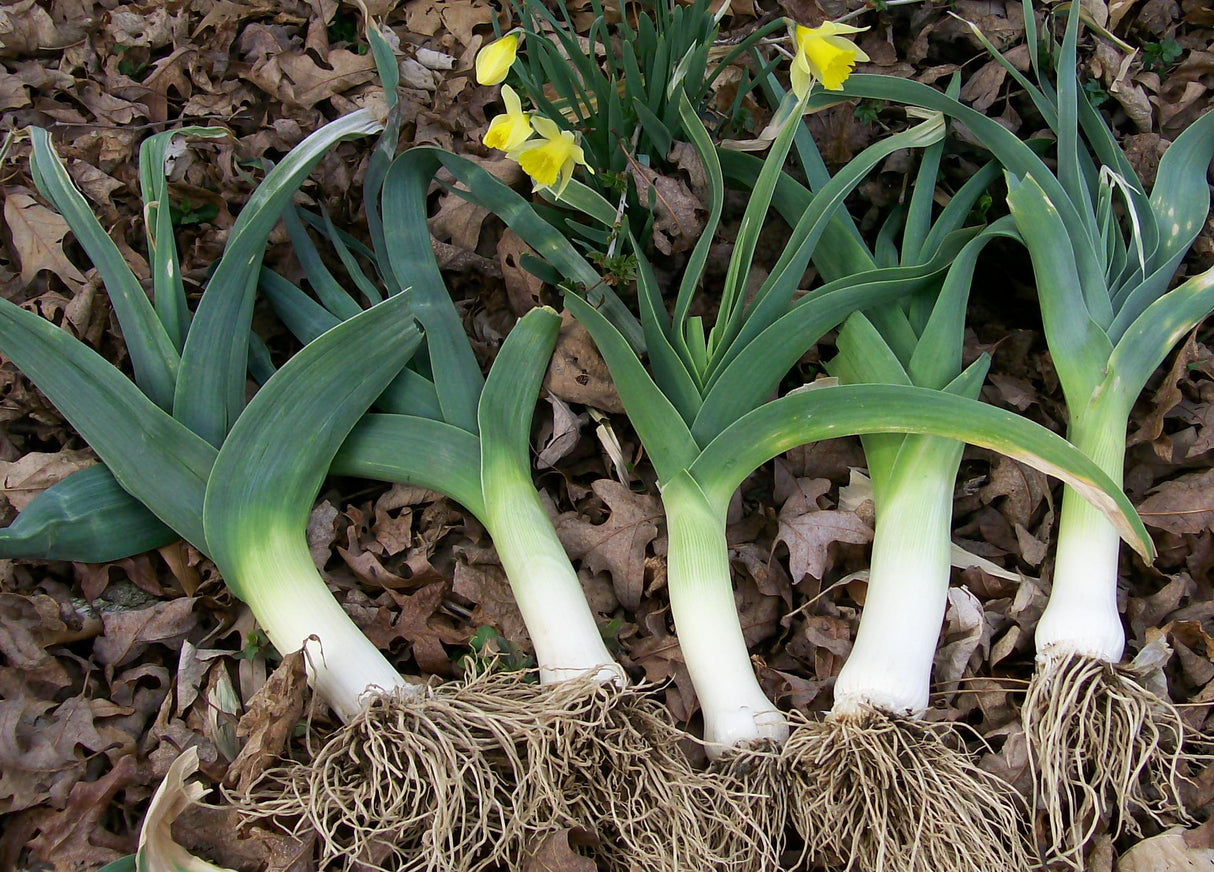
549	160
549	154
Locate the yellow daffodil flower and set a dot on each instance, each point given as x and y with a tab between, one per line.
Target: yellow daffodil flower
493	61
510	129
824	54
551	159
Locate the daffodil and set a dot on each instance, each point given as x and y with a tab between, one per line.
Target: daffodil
824	54
551	159
493	61
510	129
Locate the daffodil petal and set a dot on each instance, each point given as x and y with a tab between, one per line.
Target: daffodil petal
801	76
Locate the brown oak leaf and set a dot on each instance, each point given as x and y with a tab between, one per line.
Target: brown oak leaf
809	531
618	545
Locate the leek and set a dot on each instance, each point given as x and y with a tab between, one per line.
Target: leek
1103	268
701	415
444	428
168	470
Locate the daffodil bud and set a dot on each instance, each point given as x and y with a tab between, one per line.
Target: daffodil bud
493	61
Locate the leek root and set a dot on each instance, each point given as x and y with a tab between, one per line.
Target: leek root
1100	744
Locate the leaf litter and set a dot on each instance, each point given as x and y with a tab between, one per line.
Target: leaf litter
108	673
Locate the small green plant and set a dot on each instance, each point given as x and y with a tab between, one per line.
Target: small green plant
1161	56
490	651
868	111
187	213
1095	93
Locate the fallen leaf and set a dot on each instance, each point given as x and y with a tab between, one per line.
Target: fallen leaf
157	847
965	631
268	721
577	373
1167	852
809	531
566	433
459	220
486	586
557	852
1182	505
128	633
678	212
37	233
75	837
522	288
618	545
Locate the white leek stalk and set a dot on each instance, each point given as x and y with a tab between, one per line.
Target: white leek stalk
1081	616
277	579
889	667
546	588
736	711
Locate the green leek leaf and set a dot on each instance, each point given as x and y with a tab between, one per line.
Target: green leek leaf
87	517
154	358
277	454
152	456
846	410
211	385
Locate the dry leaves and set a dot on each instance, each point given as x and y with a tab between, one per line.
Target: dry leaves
809	531
619	544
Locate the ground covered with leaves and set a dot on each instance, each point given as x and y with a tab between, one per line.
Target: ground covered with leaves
109	672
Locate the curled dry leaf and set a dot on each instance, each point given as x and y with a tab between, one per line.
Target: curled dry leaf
157	848
557	852
269	719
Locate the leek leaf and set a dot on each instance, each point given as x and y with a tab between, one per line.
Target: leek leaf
86	517
755	373
154	358
846	410
773	297
1016	156
152	456
672	373
168	288
694	270
656	420
419	451
211	385
1157	330
266	476
1180	197
1080	349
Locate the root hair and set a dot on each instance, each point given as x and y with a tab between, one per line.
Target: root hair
615	766
755	797
1101	748
881	793
430	782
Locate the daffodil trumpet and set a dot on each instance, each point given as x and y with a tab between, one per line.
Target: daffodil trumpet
824	54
